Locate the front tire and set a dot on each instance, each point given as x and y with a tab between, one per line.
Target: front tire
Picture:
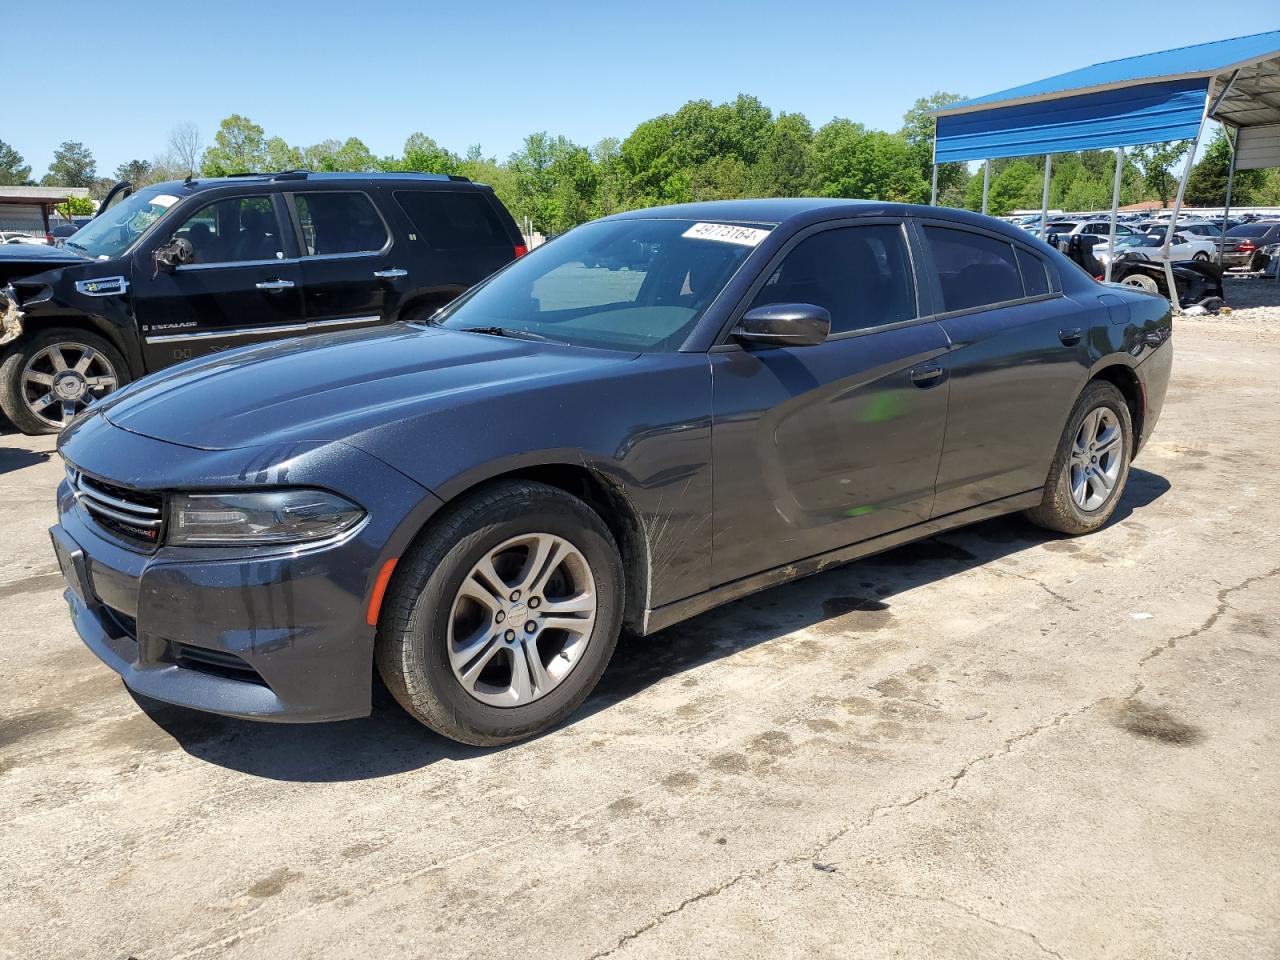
503	615
51	377
1091	467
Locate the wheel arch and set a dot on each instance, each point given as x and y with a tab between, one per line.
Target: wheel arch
32	326
1122	377
605	495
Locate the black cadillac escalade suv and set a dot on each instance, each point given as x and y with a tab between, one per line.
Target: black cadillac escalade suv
181	269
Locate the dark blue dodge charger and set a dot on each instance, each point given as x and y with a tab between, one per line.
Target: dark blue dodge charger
651	415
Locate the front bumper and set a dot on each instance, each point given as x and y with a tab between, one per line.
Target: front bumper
10	316
276	634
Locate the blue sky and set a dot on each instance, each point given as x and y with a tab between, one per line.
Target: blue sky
490	73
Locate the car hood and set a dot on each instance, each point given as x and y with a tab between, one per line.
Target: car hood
40	253
335	386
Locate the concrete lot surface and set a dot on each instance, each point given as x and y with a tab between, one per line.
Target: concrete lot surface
991	744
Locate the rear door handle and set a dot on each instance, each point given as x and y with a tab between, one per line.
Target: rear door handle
1070	337
927	375
275	285
389	274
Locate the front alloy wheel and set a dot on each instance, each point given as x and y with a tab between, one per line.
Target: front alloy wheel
64	378
48	377
521	620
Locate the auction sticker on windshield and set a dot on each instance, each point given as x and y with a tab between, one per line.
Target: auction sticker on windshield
726	233
164	200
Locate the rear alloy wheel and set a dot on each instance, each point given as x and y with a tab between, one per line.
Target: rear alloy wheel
503	615
1089	472
47	381
1202	257
1142	282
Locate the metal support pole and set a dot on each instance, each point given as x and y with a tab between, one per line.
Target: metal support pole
1044	203
986	184
1231	178
1177	208
1115	209
933	193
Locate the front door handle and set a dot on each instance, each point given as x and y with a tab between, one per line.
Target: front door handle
1070	337
389	274
275	285
927	375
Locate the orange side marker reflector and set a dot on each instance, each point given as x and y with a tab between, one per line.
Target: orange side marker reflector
379	588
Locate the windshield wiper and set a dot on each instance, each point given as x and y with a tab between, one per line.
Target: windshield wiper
512	332
72	243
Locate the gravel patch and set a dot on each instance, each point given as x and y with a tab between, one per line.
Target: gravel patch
1253	300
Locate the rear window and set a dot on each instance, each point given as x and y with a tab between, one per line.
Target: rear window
453	220
334	223
974	270
1250	230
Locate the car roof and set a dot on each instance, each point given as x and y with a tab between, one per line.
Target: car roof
305	176
801	210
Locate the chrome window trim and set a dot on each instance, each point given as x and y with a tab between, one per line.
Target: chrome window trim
262	331
235	263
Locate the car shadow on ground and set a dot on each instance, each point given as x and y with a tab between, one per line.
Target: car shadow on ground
12	459
389	742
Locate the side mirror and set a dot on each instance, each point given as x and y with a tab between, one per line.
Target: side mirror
785	325
169	256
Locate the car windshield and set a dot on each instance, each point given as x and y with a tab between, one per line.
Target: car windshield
116	230
634	285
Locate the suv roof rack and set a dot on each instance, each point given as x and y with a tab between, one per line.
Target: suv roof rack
458	178
291	175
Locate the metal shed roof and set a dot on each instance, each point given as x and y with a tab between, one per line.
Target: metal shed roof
1144	99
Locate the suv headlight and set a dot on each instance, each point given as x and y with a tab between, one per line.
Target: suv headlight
265	517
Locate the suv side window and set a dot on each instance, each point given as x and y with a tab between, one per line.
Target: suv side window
233	230
861	275
339	222
453	219
974	270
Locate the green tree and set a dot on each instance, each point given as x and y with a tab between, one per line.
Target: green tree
1207	185
75	207
278	155
1156	162
919	129
339	156
238	147
73	166
848	160
13	171
781	166
135	171
424	155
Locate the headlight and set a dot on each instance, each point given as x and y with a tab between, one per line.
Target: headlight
271	516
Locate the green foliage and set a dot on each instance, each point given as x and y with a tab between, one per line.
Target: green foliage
238	147
1156	162
73	166
76	207
135	171
1207	185
847	160
13	171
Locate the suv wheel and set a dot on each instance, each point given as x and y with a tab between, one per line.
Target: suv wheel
1091	467
49	378
501	619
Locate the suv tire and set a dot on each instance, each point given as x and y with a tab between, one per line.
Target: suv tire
463	666
39	355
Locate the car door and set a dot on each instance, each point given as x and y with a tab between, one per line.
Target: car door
818	447
1019	357
350	272
242	286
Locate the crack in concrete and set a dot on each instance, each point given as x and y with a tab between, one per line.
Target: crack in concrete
1209	621
1038	582
968	911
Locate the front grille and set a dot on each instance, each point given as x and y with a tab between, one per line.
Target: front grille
133	514
216	662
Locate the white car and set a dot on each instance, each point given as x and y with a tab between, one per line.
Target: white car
22	238
1185	246
1092	228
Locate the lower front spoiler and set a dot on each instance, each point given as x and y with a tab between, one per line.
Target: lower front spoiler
173	684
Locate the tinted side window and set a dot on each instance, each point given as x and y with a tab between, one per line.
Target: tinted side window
453	220
339	223
974	270
233	231
861	275
1035	276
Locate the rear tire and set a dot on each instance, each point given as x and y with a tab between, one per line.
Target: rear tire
1091	467
1142	282
1202	257
38	397
464	666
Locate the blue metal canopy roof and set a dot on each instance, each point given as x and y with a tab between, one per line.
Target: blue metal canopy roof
1145	99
